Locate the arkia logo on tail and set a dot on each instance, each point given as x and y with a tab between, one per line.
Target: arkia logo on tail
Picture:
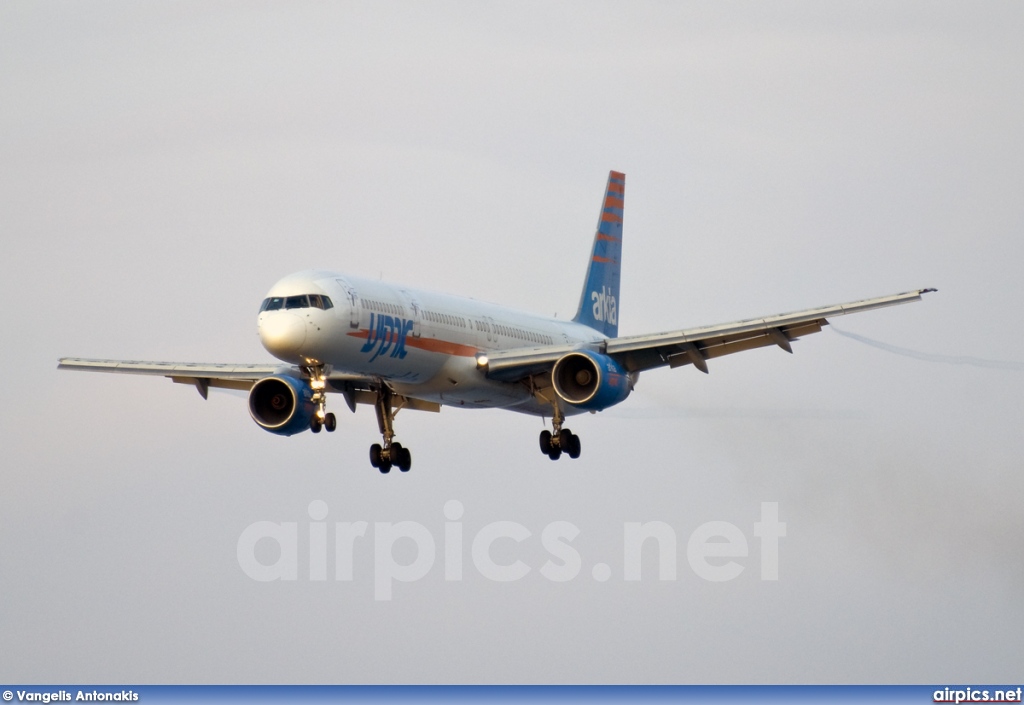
384	332
605	308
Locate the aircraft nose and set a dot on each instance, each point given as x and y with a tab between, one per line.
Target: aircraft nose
282	334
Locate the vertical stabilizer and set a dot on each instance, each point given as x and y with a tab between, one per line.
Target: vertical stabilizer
599	303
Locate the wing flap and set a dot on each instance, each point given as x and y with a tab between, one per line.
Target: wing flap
204	383
727	345
398	401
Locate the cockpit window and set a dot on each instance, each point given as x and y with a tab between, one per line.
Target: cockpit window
275	303
320	301
272	304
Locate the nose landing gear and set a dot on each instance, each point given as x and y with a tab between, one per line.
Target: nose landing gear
329	422
321	418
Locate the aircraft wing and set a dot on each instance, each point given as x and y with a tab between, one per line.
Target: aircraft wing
355	388
202	375
695	345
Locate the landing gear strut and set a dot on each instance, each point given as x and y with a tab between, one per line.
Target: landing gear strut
562	440
321	417
384	456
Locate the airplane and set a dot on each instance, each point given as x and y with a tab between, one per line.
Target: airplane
395	347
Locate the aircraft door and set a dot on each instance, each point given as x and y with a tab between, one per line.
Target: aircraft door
417	311
353	303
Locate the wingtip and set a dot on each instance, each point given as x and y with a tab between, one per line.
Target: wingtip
926	291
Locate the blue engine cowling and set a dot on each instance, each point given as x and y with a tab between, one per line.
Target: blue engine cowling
590	380
282	404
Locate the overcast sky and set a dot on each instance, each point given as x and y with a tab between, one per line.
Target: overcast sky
163	164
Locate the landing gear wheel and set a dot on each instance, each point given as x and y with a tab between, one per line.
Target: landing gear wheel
555	453
545	442
315	424
564	439
378	460
401	457
330	422
574	447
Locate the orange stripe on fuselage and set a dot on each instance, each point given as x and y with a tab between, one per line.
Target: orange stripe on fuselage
390	336
429	344
442	346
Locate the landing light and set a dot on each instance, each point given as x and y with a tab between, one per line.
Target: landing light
481	361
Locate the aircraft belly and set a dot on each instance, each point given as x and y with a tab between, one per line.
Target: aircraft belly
458	382
538	408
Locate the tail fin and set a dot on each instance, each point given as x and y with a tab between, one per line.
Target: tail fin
599	303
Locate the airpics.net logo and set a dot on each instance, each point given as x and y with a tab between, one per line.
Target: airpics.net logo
716	551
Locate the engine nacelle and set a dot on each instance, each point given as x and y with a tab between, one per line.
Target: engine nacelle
590	380
282	404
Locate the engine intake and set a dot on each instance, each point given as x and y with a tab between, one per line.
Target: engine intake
282	404
590	380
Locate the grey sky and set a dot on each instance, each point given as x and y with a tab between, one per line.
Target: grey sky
161	165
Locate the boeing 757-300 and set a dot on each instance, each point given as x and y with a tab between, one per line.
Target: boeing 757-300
394	347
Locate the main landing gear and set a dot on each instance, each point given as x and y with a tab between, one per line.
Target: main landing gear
384	456
561	441
321	417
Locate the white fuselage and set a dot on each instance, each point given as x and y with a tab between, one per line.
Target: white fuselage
424	344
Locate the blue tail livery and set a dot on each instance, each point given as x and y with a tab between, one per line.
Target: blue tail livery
599	302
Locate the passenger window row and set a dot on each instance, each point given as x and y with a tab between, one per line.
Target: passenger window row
275	303
446	319
384	307
527	335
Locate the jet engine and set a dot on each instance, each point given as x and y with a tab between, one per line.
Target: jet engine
590	380
282	404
